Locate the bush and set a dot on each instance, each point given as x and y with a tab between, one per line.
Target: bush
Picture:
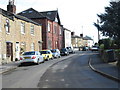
117	53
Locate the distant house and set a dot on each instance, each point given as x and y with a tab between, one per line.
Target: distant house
52	30
88	41
80	41
77	41
17	35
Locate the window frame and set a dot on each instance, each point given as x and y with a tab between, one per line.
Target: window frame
22	25
32	30
7	26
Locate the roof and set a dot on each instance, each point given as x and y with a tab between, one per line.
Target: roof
75	36
33	14
67	29
11	16
87	38
6	14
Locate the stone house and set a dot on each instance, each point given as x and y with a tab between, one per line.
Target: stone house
80	41
52	30
17	34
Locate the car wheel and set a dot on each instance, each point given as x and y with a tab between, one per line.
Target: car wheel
48	59
59	56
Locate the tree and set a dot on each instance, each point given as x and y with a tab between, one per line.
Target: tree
110	22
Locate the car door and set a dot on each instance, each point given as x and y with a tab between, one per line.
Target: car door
41	57
37	55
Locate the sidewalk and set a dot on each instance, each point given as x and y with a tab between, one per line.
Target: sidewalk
9	66
108	69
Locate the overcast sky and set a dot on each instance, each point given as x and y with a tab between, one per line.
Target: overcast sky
75	15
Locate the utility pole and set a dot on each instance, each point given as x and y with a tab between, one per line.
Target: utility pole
98	30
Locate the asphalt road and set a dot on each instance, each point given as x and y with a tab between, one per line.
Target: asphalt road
72	72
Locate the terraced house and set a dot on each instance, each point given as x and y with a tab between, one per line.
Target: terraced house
52	30
17	34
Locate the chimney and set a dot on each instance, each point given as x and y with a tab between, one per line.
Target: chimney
72	33
11	7
81	35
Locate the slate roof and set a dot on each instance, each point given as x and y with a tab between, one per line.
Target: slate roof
6	14
33	14
11	16
50	14
87	38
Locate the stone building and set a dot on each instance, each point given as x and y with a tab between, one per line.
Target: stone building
17	34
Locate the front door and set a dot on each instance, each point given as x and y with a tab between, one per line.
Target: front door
17	50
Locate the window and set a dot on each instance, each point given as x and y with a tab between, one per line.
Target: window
32	29
22	47
56	20
55	29
22	28
49	27
7	26
32	46
60	30
8	49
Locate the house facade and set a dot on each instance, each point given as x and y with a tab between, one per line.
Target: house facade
67	38
80	41
52	30
17	35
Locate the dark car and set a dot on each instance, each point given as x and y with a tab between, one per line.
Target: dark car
64	51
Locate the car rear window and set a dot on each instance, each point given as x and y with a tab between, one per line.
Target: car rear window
29	53
43	52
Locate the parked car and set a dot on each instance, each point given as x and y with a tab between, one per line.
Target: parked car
94	48
70	50
47	54
64	51
56	53
31	57
85	48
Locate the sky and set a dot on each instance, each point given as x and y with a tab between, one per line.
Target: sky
75	15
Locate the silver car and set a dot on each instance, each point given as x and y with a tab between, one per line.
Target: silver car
31	57
56	53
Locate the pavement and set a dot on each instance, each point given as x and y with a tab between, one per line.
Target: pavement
9	66
109	70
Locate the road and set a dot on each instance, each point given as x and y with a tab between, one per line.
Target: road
72	72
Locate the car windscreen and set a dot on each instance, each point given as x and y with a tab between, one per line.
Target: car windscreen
53	50
29	53
43	52
63	50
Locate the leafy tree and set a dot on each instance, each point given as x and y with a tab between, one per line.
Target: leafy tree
110	22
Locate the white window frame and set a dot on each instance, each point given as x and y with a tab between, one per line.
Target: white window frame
32	30
32	46
7	26
49	27
22	28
